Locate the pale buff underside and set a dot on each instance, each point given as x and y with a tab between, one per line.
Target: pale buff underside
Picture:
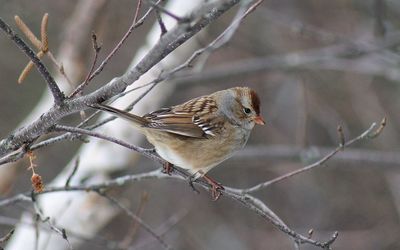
198	156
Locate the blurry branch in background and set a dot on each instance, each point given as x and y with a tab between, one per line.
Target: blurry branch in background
351	55
40	217
222	39
6	237
341	57
98	239
240	195
132	231
135	218
365	157
380	15
164	227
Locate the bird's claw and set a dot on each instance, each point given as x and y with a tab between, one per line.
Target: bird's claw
215	188
167	168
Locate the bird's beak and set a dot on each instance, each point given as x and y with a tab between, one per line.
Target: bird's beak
259	120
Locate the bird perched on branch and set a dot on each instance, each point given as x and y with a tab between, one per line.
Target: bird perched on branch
200	133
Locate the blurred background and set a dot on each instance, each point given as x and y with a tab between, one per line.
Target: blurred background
315	64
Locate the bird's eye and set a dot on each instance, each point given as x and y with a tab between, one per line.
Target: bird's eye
247	111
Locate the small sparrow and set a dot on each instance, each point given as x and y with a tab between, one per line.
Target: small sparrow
200	133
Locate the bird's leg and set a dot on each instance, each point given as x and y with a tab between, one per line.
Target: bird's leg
215	187
167	168
191	180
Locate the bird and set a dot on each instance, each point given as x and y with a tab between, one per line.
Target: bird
199	134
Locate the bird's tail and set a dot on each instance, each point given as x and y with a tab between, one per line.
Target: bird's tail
137	120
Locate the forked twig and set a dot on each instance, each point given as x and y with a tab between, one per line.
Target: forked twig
137	219
365	135
135	24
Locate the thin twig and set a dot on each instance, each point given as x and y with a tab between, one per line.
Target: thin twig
136	23
130	236
96	49
55	90
43	219
60	68
74	170
165	11
139	4
165	227
260	186
137	219
161	23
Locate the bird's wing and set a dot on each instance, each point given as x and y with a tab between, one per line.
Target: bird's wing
196	118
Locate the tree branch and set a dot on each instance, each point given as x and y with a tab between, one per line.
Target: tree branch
319	163
240	195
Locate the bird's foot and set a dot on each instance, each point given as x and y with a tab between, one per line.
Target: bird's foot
215	187
167	168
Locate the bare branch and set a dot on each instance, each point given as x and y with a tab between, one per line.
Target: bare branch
364	135
96	49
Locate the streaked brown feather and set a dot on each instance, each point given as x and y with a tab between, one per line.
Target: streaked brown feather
195	118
